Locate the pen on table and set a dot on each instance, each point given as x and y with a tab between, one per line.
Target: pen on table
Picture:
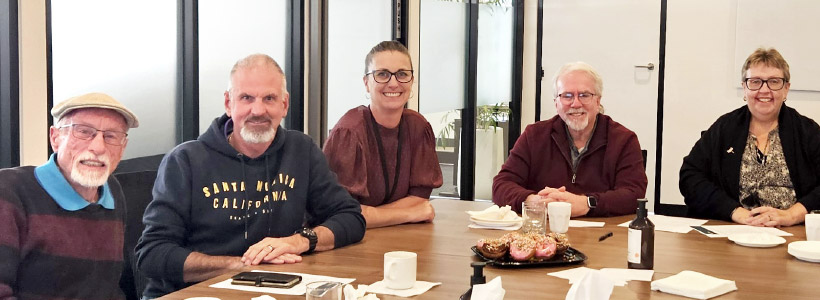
605	236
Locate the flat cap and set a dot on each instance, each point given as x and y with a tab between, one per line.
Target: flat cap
95	100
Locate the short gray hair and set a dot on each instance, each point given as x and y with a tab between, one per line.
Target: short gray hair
257	60
578	66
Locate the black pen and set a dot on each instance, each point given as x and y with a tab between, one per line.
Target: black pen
605	236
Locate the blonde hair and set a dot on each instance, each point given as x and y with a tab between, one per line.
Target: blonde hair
768	57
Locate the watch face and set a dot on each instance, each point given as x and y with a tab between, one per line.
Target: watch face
592	202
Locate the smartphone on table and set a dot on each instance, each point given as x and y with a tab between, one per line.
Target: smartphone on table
266	279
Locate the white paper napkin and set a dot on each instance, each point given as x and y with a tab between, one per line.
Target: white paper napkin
618	276
298	289
419	288
671	224
694	285
593	286
494	213
489	291
359	293
263	297
579	223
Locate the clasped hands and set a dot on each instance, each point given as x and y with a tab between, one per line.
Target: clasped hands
764	216
284	250
548	194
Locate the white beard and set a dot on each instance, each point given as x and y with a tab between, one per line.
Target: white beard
253	137
574	124
88	178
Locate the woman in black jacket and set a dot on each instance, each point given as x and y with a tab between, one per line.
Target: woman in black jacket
759	164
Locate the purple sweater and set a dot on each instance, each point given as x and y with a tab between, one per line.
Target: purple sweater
610	170
47	252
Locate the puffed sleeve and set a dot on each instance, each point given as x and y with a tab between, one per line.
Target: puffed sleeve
345	154
425	174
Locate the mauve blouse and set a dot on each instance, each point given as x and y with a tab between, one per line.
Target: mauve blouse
353	154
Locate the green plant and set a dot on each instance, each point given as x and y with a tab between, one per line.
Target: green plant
490	115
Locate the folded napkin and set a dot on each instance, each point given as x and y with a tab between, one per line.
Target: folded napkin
298	289
263	297
419	288
593	286
359	293
489	291
694	285
496	213
579	223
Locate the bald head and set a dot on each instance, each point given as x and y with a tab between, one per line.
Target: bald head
258	60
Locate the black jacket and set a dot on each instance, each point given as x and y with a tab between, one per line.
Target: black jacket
710	175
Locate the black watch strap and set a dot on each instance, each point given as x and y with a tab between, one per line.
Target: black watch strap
311	236
592	202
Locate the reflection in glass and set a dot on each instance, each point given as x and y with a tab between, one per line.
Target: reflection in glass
353	28
441	81
109	47
493	92
255	26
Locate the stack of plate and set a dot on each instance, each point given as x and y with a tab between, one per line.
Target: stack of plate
806	250
496	222
758	240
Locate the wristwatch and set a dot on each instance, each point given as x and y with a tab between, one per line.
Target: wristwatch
311	236
592	202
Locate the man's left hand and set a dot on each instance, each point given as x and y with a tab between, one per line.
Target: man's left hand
283	250
579	202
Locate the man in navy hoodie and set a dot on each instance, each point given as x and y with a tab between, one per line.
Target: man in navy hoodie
246	192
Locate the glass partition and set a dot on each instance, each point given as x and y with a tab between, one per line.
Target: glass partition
127	49
229	31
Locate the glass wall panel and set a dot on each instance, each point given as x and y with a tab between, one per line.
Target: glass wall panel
353	28
229	31
441	79
127	49
493	92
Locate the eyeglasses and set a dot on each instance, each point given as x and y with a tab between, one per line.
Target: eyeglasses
85	132
584	97
383	76
775	84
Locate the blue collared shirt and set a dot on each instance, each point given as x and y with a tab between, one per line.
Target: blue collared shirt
56	185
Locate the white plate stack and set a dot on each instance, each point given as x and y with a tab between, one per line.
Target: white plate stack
495	216
805	250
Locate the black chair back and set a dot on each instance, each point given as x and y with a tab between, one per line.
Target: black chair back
137	187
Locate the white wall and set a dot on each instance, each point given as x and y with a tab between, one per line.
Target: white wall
703	80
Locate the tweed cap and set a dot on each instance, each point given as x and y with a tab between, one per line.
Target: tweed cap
95	100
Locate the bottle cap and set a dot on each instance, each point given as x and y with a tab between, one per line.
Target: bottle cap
478	273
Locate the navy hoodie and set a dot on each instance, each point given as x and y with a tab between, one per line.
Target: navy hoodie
211	199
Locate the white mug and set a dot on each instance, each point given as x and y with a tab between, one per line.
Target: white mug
813	227
559	213
400	270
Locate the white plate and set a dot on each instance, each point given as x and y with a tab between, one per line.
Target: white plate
759	240
495	223
805	250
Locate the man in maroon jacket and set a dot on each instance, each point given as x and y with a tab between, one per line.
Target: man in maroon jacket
580	156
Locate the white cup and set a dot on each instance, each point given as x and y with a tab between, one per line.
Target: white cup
559	213
813	227
400	270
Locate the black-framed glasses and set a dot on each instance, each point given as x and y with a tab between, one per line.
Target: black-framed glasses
85	132
567	97
775	84
383	76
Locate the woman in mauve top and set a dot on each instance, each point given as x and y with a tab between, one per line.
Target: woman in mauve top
384	154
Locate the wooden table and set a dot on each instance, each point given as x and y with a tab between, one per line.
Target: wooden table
445	256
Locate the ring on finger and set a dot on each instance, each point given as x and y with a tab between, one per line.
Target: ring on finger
270	248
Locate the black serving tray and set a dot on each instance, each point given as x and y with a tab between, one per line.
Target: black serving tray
571	256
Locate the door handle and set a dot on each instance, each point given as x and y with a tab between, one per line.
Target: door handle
649	66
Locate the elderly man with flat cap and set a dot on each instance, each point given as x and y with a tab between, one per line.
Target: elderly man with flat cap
62	223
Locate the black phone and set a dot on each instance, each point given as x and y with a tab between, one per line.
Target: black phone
266	279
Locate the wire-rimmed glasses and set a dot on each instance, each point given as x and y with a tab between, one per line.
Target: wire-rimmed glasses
567	97
85	132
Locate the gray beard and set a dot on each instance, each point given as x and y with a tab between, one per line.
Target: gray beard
257	137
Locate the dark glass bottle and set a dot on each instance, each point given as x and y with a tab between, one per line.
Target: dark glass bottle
641	240
477	278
